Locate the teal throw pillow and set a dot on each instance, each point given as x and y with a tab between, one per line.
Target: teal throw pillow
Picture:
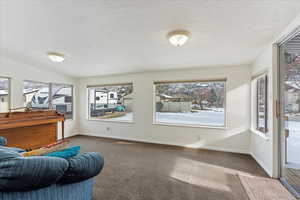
66	153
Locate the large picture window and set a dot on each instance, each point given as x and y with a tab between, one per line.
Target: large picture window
194	103
4	94
111	102
262	104
38	95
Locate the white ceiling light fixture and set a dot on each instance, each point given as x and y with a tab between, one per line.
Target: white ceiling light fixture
56	57
178	37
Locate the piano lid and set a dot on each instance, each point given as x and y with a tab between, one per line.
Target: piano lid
29	118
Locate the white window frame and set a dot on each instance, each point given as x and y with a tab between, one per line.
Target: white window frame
155	122
9	92
254	105
89	118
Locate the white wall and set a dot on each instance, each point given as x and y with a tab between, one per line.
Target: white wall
262	146
235	138
18	72
266	151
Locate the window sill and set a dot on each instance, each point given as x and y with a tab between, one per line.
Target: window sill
108	120
260	134
191	126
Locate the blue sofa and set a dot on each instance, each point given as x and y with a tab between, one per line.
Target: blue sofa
46	178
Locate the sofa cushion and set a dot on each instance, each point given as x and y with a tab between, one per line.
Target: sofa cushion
5	154
82	167
18	150
28	173
76	191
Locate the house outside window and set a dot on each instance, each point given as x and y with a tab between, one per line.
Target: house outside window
36	94
190	103
111	102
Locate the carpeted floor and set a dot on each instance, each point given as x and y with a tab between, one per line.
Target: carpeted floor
138	171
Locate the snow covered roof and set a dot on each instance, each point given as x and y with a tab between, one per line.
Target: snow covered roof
3	92
293	84
166	96
29	90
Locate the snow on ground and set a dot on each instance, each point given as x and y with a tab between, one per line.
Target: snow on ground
207	118
126	118
293	142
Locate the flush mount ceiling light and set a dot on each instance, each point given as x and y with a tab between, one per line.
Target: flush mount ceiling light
178	37
56	57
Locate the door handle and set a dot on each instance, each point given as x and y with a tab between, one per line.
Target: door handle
277	108
287	133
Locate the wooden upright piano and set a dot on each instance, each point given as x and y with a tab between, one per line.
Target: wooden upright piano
30	129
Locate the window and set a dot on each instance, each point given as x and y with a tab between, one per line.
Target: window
261	104
37	96
194	103
62	99
4	94
111	102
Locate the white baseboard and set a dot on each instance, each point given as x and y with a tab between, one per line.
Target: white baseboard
214	148
263	165
231	150
72	134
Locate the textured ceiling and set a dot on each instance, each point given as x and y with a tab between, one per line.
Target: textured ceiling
102	37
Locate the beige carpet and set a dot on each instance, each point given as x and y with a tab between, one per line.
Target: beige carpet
260	188
137	171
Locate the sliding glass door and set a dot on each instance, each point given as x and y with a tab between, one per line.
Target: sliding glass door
289	60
